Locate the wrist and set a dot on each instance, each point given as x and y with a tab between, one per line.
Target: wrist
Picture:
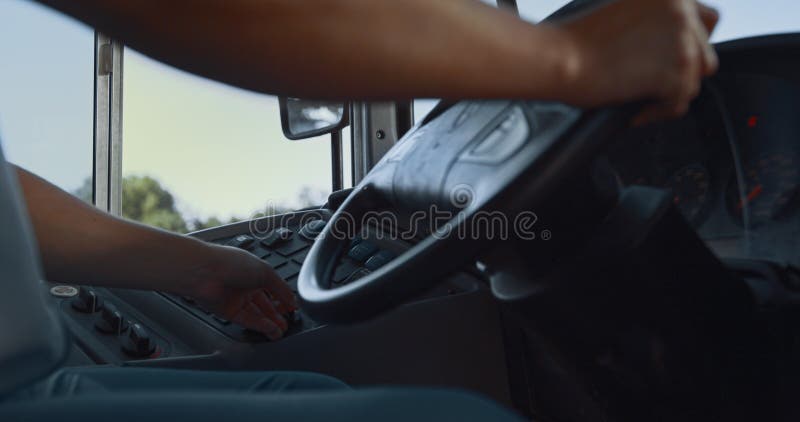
214	265
568	59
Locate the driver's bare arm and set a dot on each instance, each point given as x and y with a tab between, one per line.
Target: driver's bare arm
80	244
367	49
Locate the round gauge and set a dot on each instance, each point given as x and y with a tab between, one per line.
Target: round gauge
770	193
690	187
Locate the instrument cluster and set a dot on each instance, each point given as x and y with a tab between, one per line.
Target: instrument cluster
732	165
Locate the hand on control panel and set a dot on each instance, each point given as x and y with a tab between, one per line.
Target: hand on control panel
245	290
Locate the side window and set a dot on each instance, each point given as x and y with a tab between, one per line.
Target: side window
47	94
198	154
739	19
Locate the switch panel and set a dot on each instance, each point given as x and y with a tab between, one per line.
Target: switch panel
285	250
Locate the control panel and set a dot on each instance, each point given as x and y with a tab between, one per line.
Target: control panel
111	326
108	330
285	248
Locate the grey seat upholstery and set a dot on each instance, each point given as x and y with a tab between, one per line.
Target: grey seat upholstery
146	394
32	340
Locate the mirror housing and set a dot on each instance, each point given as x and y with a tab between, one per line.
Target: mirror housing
303	119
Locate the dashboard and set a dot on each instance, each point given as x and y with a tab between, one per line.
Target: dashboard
118	326
731	165
458	317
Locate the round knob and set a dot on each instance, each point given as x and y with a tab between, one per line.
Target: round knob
110	320
87	301
313	229
138	342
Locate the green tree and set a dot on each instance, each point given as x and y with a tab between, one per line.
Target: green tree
198	224
143	200
146	201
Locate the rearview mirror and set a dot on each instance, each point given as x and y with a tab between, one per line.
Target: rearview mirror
302	119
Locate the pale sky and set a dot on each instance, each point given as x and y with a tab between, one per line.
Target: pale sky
219	150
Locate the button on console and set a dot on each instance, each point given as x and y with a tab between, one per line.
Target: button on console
292	247
87	301
379	260
287	271
277	237
311	230
110	320
343	271
243	241
275	261
362	251
138	342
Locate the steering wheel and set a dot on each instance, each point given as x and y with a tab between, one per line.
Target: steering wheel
472	159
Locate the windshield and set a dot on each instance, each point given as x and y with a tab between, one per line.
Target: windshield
739	18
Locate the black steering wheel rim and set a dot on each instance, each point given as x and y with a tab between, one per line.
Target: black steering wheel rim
441	253
350	303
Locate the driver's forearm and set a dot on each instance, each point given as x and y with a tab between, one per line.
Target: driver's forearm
366	49
80	244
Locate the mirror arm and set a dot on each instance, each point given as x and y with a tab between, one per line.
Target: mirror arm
337	158
510	5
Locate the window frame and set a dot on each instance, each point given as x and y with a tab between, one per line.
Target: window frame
107	172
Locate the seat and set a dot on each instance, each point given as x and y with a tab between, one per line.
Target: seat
32	340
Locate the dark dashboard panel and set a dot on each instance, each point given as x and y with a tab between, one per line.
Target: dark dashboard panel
731	164
285	248
117	325
457	317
